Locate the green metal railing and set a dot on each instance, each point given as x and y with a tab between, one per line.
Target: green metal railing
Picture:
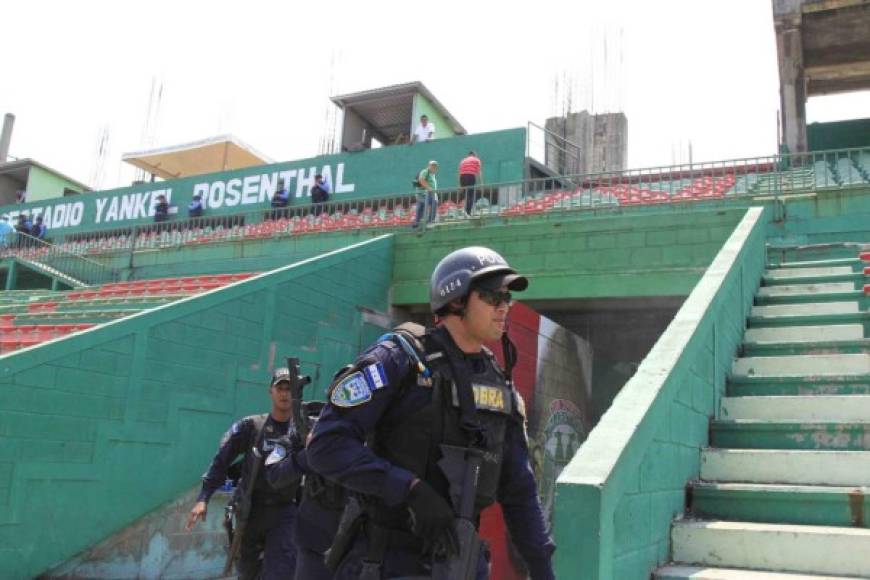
52	259
772	175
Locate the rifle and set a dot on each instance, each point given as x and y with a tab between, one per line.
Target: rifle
297	384
462	467
241	508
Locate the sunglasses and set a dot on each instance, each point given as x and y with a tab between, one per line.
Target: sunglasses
495	298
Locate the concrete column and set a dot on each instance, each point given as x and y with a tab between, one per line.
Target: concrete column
792	88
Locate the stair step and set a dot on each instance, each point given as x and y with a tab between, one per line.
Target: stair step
808	313
797	293
853	262
706	573
822	365
760	434
816	505
797	408
781	547
796	467
804	386
803	334
779	276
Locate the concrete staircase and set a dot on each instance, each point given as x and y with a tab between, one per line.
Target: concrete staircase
785	486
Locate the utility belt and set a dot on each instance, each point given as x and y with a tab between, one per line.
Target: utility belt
328	494
380	540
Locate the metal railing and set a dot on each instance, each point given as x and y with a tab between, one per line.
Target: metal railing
772	175
51	259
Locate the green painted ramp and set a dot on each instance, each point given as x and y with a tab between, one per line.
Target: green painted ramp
101	428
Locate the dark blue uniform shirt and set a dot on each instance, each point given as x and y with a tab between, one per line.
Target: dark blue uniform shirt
338	451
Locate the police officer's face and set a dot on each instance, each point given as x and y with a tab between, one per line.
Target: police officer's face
485	318
281	397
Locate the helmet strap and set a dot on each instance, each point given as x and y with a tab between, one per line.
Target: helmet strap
509	352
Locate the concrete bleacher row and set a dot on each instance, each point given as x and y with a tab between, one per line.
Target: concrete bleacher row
28	318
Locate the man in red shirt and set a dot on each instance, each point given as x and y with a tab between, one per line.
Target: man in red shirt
470	174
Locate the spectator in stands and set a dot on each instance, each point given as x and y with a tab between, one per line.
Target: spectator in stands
427	200
161	209
319	193
281	197
23	228
470	174
6	230
38	230
194	208
425	131
21	196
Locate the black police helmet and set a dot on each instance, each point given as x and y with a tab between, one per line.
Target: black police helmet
458	270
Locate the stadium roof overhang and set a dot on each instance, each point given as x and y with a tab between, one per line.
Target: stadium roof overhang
389	110
834	42
221	153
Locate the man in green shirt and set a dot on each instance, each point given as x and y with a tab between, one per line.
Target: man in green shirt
427	199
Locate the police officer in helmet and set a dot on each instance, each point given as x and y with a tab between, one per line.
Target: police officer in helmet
388	415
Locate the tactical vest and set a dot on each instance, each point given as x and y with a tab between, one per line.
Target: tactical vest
413	442
261	491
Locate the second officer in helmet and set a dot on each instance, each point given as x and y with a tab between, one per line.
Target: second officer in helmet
416	390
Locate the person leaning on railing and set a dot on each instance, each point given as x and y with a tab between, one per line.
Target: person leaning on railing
5	231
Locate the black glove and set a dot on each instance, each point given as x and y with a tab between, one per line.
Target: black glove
292	441
432	519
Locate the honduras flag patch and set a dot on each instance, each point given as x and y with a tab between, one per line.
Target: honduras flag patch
353	390
376	376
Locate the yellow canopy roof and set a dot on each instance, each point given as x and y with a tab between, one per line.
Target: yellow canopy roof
221	153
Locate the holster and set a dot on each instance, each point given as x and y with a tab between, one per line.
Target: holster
352	519
228	523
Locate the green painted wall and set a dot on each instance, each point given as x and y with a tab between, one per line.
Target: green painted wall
422	106
43	185
576	256
616	499
820	218
838	134
646	253
366	174
126	416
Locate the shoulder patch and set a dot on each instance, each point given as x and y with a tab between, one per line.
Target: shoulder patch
376	376
278	454
351	391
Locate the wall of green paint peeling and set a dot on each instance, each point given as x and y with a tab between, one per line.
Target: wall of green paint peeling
100	417
619	528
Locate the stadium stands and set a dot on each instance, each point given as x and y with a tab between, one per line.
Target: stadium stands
28	318
835	169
